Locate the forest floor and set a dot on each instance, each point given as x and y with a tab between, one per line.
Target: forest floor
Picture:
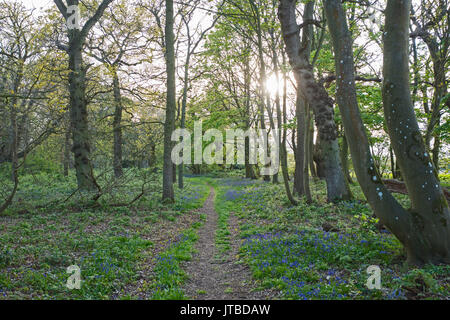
223	238
214	275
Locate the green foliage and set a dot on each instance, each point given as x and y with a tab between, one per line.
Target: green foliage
288	249
168	273
41	235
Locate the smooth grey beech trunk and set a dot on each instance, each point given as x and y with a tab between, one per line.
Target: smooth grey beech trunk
424	229
318	99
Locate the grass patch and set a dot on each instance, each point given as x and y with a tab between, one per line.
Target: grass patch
42	234
168	273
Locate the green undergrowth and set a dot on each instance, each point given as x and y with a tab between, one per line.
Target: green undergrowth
47	230
322	250
169	275
223	209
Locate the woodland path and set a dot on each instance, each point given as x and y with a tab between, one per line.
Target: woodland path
217	276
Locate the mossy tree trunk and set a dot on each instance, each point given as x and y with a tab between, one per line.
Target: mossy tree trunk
81	147
77	87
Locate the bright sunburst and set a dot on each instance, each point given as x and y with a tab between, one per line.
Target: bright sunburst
273	84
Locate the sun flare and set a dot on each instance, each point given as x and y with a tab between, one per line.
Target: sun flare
274	85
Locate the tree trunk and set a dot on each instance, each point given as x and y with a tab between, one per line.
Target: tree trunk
435	151
183	112
262	76
274	130
439	56
312	166
152	161
169	125
300	106
391	157
424	230
344	159
318	99
301	182
249	171
282	121
307	35
78	115
306	153
117	128
67	149
174	172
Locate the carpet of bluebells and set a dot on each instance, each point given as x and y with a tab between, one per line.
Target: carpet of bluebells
305	265
287	248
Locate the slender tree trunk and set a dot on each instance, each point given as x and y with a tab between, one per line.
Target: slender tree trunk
174	168
307	36
436	149
13	133
183	112
300	106
276	133
318	99
169	125
424	230
117	127
249	171
307	151
67	149
282	121
344	159
277	98
391	156
312	166
283	150
262	75
439	56
152	161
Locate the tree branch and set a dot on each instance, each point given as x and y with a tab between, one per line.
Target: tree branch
94	19
62	8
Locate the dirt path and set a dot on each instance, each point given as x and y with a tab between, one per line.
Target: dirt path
214	279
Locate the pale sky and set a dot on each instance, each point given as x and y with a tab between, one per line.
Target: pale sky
37	3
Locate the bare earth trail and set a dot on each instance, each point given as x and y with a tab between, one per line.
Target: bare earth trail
211	278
